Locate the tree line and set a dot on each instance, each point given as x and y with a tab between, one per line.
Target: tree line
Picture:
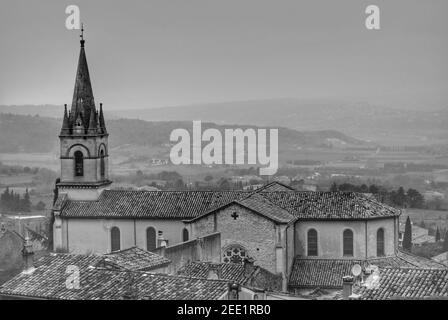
396	197
407	237
11	201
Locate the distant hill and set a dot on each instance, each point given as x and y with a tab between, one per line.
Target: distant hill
20	133
360	120
47	110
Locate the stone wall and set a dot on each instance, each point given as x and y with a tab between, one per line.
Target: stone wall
252	231
90	149
207	248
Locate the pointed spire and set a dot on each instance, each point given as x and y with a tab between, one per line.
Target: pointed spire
83	100
97	117
93	124
102	122
78	127
65	122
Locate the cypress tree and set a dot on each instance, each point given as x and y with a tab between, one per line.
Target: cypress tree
407	237
437	235
26	202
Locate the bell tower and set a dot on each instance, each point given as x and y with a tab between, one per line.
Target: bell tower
84	152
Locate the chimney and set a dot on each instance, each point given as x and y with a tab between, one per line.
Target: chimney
199	249
161	242
347	287
249	267
162	251
234	289
214	271
28	255
131	290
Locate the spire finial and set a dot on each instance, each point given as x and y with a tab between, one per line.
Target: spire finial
82	35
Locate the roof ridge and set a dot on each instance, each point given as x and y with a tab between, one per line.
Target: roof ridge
418	257
415	269
325	259
121	250
172	191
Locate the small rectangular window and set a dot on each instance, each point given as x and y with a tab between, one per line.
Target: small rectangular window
312	243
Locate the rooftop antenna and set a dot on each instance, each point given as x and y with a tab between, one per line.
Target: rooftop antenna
357	272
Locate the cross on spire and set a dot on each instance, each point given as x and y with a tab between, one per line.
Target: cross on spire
82	35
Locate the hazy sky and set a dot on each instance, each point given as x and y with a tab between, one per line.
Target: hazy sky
150	53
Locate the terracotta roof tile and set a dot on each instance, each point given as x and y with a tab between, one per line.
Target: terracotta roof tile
229	271
192	204
328	273
256	277
260	204
407	283
330	205
150	204
134	258
48	281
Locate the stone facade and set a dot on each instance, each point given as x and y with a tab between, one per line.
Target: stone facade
256	234
91	149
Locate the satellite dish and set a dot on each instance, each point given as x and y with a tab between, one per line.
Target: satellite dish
356	270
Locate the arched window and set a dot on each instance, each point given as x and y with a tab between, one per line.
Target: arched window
79	164
380	242
348	242
312	242
115	239
151	240
184	235
102	164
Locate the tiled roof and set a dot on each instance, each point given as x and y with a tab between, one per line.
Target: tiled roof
441	258
60	201
150	204
330	205
229	271
191	204
260	204
418	262
48	281
114	285
134	258
407	283
275	186
256	277
328	273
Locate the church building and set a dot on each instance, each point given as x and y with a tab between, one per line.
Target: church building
280	228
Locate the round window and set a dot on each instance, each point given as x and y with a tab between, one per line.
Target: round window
234	254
